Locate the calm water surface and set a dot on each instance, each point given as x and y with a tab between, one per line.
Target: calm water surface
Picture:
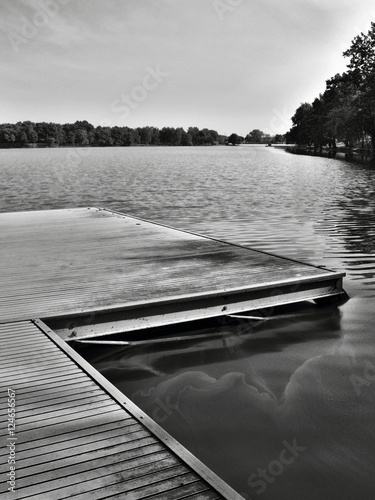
305	380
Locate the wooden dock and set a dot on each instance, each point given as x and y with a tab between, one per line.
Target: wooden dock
89	272
77	436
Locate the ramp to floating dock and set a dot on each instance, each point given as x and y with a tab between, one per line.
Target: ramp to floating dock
77	436
90	272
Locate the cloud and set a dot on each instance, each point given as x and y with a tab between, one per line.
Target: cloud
228	74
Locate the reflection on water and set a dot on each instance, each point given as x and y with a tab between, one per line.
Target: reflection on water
306	377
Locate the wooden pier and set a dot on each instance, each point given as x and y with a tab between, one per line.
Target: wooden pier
76	436
84	273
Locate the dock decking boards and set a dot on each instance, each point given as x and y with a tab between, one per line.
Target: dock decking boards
75	439
113	273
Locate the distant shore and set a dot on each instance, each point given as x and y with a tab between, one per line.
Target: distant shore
357	155
93	146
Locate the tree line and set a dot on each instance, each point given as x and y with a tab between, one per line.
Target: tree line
256	136
345	111
82	133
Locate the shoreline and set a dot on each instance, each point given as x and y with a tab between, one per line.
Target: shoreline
341	153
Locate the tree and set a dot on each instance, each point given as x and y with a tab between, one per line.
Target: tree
103	136
32	135
21	136
362	75
346	110
302	132
83	125
255	137
81	137
362	54
177	135
186	139
214	136
145	134
155	136
128	136
166	135
279	139
205	138
71	138
343	120
8	134
233	139
267	139
193	132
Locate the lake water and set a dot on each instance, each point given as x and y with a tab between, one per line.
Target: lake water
286	412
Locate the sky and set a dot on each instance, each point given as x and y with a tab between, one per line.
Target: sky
227	65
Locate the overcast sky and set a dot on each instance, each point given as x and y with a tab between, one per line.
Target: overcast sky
228	65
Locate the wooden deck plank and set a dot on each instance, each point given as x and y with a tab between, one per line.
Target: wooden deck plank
92	261
197	490
58	385
61	391
77	472
72	439
33	404
41	383
152	489
63	372
77	414
80	453
25	358
106	478
183	493
81	473
27	410
29	353
33	407
95	455
58	426
56	447
90	431
142	487
93	443
33	350
30	414
67	427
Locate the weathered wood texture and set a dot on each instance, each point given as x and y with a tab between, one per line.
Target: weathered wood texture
61	263
74	438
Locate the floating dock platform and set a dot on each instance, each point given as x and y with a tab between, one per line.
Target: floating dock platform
88	272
